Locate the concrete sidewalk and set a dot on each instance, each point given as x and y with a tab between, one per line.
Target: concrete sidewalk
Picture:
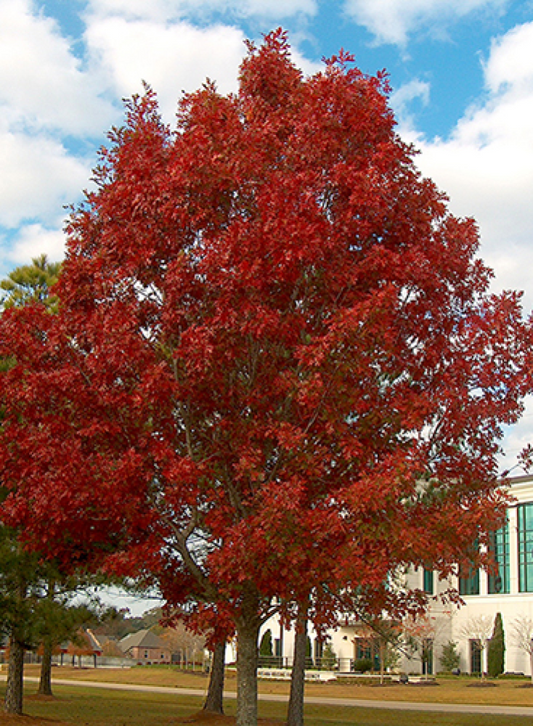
315	700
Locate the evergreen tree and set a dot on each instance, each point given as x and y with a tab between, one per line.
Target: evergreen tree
450	658
265	647
31	283
496	649
24	584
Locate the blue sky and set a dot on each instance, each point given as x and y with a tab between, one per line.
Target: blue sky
461	73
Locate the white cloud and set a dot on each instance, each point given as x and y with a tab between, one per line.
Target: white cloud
171	58
38	177
133	41
486	165
166	10
510	60
403	96
33	240
42	81
392	21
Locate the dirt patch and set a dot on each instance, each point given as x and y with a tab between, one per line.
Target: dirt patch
212	719
39	697
8	719
385	684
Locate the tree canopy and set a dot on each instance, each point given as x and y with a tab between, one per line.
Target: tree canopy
277	367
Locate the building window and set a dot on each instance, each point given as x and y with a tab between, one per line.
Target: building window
428	581
469	583
427	656
525	547
469	577
367	649
363	649
499	580
475	656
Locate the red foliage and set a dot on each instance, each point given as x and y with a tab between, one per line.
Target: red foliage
276	366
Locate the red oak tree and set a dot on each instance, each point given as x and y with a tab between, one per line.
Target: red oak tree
276	369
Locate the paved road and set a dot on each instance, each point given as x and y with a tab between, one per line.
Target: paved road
322	701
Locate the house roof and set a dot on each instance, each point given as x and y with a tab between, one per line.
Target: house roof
141	639
86	643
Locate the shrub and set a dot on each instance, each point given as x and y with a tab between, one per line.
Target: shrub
450	658
265	647
362	665
496	649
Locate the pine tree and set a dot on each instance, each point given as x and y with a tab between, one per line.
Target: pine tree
31	283
450	658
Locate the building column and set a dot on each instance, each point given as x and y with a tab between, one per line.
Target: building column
513	550
483	582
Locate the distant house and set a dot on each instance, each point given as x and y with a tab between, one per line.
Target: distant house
145	647
85	644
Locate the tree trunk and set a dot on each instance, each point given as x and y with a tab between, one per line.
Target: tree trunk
45	682
295	713
247	659
214	702
15	675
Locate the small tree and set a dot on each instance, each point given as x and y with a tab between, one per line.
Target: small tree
496	649
329	657
183	641
384	639
420	635
449	658
479	629
522	637
265	647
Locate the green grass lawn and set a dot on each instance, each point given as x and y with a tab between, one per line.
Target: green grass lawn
507	691
90	707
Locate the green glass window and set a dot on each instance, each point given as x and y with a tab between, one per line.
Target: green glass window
469	578
499	581
363	649
475	656
428	581
469	584
525	547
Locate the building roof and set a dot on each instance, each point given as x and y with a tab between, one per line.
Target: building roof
141	639
86	643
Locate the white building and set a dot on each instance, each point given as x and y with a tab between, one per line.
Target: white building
509	592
